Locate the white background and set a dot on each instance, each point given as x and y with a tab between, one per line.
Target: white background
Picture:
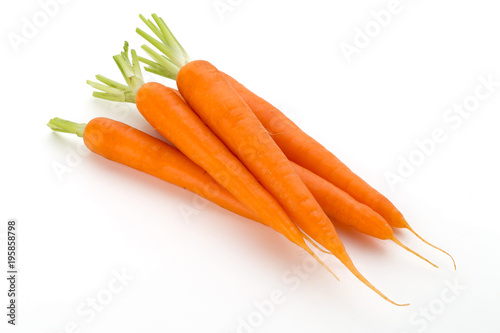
206	271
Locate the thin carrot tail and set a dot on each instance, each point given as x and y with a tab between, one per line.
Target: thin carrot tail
323	264
411	251
307	238
434	246
308	250
349	264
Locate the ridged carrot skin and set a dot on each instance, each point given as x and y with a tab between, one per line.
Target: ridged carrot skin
302	149
211	96
126	145
169	114
343	208
225	113
174	120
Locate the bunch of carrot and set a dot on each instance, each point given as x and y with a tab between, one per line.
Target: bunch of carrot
235	149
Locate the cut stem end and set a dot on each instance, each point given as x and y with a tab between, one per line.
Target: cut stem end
131	71
171	57
66	126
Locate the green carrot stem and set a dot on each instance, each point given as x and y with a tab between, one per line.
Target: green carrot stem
127	97
153	28
66	126
136	67
172	57
168	66
112	83
105	88
171	40
147	61
131	71
172	54
154	68
124	66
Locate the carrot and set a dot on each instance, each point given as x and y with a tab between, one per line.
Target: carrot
338	205
296	144
207	91
175	121
344	209
310	154
188	133
209	94
126	145
173	118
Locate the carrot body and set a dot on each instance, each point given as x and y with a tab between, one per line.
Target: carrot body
343	208
126	145
167	112
172	118
302	149
220	107
310	154
211	96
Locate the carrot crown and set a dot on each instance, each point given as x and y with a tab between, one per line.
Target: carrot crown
66	126
172	57
167	64
131	72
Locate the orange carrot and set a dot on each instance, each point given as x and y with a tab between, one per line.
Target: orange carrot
297	145
210	95
310	154
175	121
336	203
126	145
344	209
173	118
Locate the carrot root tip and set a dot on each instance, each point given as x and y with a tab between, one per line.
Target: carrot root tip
307	238
308	250
395	240
434	246
349	264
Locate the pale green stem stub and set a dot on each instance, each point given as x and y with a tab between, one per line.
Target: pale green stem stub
131	71
66	126
172	57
